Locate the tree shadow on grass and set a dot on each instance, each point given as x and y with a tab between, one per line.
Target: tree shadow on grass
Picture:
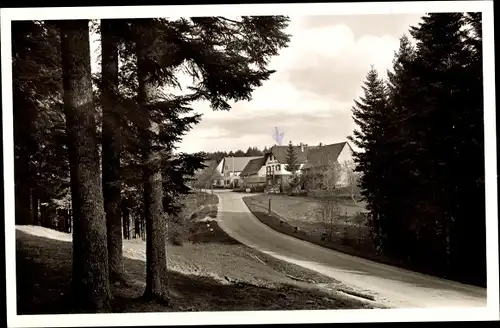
43	269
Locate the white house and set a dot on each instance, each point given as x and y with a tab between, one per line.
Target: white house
230	168
311	159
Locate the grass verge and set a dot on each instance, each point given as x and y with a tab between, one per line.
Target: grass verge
253	281
347	242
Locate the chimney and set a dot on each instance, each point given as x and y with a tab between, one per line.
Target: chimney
320	144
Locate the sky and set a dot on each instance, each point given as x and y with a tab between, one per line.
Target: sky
310	96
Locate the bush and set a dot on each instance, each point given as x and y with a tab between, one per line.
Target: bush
359	218
258	188
176	229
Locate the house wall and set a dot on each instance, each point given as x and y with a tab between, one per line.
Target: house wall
262	171
345	156
279	168
220	166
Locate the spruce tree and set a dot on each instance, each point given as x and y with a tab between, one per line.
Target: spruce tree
91	290
396	235
469	235
369	114
224	68
111	145
39	140
442	116
291	159
425	208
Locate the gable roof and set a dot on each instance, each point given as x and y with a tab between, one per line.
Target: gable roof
253	166
236	164
320	156
280	152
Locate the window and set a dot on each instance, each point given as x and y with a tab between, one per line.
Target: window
278	167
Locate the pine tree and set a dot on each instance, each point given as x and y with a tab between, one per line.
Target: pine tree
239	153
440	112
395	233
111	145
291	159
91	290
38	122
228	68
369	114
468	234
414	151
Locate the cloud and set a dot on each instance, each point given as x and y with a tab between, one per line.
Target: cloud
329	61
240	131
311	94
368	24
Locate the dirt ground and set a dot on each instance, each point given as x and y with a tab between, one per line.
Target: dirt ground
210	272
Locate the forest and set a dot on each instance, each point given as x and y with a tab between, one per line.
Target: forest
421	136
217	156
88	146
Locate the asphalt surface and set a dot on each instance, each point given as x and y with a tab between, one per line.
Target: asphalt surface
391	286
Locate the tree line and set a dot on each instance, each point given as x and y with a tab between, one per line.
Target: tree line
106	142
217	156
420	132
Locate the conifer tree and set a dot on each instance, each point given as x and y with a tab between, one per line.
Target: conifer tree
224	68
291	159
39	140
369	114
111	144
91	290
427	210
438	125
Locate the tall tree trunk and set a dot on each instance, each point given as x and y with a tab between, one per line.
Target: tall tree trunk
156	254
90	281
137	227
111	149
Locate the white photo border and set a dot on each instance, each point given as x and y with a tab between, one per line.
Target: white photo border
490	312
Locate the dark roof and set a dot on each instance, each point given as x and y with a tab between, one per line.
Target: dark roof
253	166
280	152
238	162
320	156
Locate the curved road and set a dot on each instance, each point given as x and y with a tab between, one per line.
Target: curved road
389	285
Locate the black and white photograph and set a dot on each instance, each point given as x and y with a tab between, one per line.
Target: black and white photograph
250	164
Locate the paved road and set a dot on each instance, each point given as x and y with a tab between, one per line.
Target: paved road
390	286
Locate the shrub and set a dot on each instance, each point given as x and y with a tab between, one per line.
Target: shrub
258	188
359	218
176	229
